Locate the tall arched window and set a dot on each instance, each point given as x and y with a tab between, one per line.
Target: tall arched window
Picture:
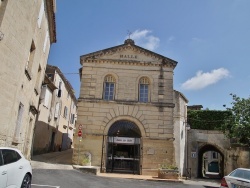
144	89
109	88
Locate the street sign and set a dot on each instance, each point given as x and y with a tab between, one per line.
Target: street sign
79	133
193	154
80	127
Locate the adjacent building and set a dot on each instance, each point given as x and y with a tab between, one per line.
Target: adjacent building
130	117
55	124
27	30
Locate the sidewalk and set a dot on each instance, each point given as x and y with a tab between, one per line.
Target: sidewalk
53	160
63	160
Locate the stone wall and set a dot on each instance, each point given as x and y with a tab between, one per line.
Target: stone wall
234	156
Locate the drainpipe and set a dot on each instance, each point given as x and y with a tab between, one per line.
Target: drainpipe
188	172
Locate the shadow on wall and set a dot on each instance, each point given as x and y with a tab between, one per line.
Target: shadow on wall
48	139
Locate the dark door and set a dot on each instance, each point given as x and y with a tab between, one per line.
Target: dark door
123	157
51	148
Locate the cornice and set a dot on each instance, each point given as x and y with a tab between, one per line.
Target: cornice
50	6
129	62
125	102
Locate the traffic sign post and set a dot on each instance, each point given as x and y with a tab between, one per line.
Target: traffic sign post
80	139
79	133
80	127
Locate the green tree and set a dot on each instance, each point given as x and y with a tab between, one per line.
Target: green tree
238	125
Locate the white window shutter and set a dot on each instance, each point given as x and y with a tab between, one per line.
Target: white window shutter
42	95
19	120
45	41
57	109
40	16
46	98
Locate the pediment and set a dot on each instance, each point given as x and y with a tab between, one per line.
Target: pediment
128	53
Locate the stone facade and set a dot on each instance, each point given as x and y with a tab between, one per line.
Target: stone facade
27	30
55	124
127	64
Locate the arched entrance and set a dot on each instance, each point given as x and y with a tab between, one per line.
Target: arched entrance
123	148
210	162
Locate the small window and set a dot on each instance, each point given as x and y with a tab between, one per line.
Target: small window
72	118
59	94
30	60
38	78
143	89
109	88
214	155
65	112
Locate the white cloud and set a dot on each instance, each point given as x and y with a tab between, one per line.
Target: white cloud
145	39
202	80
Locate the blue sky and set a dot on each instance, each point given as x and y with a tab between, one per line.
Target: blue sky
209	39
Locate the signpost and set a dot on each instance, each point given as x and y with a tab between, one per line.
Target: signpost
80	139
79	133
193	154
80	127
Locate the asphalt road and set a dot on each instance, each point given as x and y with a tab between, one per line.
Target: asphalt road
59	178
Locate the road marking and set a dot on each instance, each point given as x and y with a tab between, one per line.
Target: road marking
45	185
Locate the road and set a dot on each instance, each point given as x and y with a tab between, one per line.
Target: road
54	170
71	178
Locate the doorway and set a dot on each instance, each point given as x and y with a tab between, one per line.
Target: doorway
51	147
123	148
210	162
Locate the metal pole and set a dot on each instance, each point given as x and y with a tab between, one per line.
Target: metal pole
186	151
102	151
78	150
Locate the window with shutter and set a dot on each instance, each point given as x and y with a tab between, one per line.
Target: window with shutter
30	60
40	16
59	94
57	110
65	112
45	41
48	96
19	122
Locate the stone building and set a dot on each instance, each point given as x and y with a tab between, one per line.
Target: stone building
126	111
27	30
55	124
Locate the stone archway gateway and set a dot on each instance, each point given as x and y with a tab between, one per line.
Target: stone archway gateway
210	162
123	148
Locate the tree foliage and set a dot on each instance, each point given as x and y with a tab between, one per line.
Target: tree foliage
238	126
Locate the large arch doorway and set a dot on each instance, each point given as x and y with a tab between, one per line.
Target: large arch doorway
123	148
210	162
